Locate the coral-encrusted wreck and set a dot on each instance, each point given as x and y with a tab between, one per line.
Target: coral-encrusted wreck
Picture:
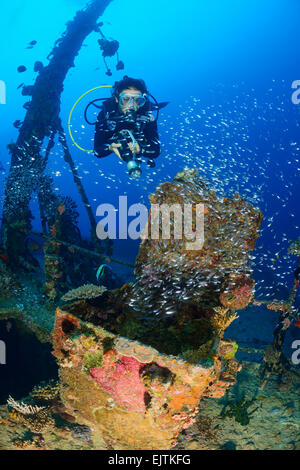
168	274
130	395
134	373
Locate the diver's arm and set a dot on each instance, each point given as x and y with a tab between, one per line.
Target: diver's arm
102	134
151	148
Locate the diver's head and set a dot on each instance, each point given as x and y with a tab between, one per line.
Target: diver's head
130	94
130	99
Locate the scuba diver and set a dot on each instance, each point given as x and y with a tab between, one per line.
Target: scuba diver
127	127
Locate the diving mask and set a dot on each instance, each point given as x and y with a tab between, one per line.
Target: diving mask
135	100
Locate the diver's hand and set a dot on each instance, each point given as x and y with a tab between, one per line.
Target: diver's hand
114	148
134	148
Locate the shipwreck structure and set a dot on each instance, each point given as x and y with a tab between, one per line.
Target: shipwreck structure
32	150
135	377
134	362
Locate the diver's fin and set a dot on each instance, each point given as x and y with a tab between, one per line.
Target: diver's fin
155	106
163	104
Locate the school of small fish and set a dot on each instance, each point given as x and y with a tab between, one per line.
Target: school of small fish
240	140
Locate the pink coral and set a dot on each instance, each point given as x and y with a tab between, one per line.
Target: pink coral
239	294
122	381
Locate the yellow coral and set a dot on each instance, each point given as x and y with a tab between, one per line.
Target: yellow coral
222	319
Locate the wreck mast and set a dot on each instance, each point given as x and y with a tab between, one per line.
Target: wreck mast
42	120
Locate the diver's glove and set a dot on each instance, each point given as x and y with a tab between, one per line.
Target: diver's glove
135	148
115	149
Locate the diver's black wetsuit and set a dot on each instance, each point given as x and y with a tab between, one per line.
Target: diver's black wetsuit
110	122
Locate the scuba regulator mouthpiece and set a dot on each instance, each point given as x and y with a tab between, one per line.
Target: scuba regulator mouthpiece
130	116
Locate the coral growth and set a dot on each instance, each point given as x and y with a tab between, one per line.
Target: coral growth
294	248
239	411
238	294
142	390
278	306
133	386
222	319
114	379
36	422
8	282
169	273
23	408
92	360
35	418
45	392
87	291
53	268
